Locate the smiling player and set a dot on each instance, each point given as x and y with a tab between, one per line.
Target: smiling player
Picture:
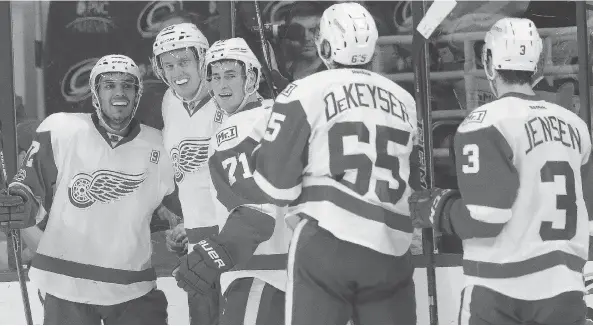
110	173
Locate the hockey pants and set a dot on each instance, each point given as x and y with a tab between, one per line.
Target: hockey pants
203	310
483	306
149	309
251	301
331	281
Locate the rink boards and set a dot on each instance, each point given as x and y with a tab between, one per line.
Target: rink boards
449	284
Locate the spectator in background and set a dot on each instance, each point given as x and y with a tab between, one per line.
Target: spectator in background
300	50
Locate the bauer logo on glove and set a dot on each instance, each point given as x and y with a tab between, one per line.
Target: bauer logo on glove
211	253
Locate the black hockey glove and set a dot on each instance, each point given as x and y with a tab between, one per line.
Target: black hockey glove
199	270
427	208
17	209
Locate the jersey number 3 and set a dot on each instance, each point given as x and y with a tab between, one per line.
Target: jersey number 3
566	202
340	162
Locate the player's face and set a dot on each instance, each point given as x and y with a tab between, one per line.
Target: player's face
181	68
228	84
117	93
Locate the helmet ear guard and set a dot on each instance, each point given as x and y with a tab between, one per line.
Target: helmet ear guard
325	50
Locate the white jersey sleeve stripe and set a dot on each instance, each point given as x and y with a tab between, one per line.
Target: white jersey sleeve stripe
489	214
525	267
280	195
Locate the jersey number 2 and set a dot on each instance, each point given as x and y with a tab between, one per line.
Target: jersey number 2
566	202
340	162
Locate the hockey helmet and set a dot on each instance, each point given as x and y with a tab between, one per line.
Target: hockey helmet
513	44
115	63
174	37
347	35
235	49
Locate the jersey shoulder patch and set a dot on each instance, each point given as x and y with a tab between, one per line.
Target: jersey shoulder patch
490	114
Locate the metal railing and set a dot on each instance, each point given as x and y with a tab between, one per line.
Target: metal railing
470	72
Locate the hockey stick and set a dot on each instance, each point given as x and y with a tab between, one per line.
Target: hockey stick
422	94
267	66
15	235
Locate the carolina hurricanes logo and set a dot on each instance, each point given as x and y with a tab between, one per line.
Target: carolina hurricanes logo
189	157
75	83
152	15
102	186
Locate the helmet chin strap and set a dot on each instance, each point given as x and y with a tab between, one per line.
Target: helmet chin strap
103	117
195	98
491	79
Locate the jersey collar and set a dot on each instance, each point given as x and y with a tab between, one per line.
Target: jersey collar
109	139
523	96
191	109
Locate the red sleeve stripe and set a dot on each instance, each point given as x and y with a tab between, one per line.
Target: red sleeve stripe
355	206
197	234
485	170
91	272
271	262
525	267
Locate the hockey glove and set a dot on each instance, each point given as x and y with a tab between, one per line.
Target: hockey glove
199	270
427	208
17	209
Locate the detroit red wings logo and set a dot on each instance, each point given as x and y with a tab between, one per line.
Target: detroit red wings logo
102	186
189	156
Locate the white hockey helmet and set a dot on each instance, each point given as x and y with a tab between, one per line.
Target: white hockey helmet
513	44
236	49
347	35
178	36
115	63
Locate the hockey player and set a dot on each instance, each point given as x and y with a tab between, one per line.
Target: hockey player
250	243
337	149
190	118
523	205
110	173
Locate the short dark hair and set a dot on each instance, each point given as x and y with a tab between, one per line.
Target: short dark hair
304	9
366	66
513	77
516	77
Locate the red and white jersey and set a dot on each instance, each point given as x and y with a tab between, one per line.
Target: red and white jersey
337	149
231	168
96	248
519	167
187	137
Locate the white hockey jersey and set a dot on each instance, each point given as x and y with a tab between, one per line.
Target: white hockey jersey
187	136
337	148
231	168
523	217
96	247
